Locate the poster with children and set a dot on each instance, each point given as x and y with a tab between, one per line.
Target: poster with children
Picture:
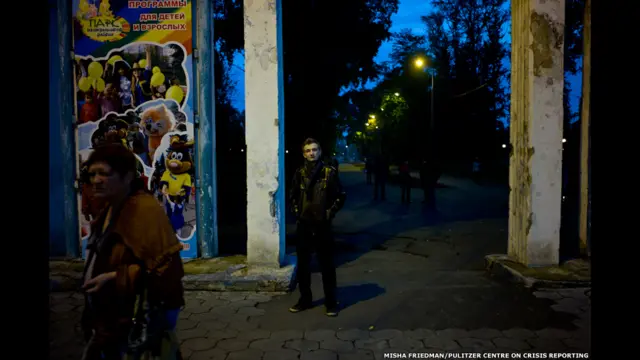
133	85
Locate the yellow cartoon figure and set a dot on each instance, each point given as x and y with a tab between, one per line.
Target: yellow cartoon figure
176	183
105	8
83	9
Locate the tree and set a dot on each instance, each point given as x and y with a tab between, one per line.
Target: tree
405	45
329	45
395	130
230	138
573	49
467	48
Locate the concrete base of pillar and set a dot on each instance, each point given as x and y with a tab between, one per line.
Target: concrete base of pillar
571	274
242	277
229	273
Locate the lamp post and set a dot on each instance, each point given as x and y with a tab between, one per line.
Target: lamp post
421	65
430	195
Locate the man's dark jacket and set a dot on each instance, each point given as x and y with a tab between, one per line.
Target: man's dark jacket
316	194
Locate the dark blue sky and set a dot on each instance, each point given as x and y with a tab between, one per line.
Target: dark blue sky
408	16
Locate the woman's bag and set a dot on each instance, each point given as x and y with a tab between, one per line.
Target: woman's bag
150	337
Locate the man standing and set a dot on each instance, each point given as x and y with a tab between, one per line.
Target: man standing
405	182
430	172
368	168
316	196
380	178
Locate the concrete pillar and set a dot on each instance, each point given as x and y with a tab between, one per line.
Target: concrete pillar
585	135
535	173
264	126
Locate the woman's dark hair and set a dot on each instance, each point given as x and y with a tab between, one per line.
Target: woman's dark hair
120	159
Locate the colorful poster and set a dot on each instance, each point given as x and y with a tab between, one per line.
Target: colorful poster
133	84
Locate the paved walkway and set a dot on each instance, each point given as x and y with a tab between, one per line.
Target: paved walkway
231	326
409	281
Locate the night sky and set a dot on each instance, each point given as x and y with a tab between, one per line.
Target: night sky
408	16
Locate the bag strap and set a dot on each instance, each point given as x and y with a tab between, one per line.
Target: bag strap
141	306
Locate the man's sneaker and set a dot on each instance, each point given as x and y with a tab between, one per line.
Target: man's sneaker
300	306
331	310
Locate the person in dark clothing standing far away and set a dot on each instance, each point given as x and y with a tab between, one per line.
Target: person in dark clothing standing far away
475	170
368	168
381	169
405	182
429	175
316	196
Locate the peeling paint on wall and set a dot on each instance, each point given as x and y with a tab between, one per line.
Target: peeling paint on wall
271	5
547	39
273	203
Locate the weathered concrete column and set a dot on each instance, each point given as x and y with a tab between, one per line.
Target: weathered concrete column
585	134
535	173
264	126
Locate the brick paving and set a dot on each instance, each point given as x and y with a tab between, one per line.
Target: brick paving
227	326
409	283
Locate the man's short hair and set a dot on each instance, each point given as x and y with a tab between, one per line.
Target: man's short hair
310	141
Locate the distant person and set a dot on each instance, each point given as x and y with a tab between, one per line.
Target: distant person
475	170
429	174
368	169
316	196
405	182
424	180
381	173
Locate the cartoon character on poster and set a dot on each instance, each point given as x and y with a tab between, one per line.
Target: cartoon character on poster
176	181
156	123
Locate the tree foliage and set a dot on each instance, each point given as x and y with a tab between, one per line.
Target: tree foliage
465	50
573	50
328	45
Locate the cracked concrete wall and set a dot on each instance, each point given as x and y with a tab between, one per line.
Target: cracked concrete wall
535	174
264	134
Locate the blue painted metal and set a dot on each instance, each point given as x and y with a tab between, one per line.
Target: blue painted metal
205	135
280	198
62	159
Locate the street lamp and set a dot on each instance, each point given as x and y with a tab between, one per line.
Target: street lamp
420	64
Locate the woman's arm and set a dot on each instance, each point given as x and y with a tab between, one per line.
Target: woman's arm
126	277
95	284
